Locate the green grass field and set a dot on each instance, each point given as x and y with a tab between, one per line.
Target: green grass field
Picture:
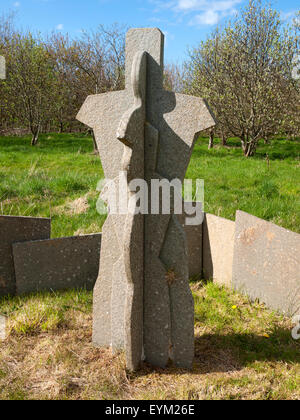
45	180
48	179
233	182
243	351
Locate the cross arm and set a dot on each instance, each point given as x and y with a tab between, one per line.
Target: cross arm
98	107
192	115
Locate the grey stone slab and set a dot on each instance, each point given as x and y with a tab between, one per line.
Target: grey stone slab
194	244
149	133
218	245
194	238
57	264
17	229
266	263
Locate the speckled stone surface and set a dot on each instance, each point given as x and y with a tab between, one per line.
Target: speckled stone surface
194	244
151	132
266	264
218	244
194	238
57	264
17	229
175	258
173	123
118	120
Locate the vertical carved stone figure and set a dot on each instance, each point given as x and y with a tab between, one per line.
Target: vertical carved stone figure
142	299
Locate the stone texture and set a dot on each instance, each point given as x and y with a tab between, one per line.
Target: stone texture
175	260
194	244
267	263
173	122
17	229
218	245
150	133
194	238
57	264
118	298
2	68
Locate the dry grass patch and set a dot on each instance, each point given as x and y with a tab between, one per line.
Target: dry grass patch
234	358
72	208
93	228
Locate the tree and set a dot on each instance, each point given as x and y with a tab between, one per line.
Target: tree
48	80
30	81
244	72
292	123
92	64
174	78
68	88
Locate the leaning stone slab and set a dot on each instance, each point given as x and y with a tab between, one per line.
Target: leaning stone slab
194	246
267	263
17	229
57	264
218	245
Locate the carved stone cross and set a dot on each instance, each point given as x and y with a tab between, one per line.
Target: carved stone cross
142	299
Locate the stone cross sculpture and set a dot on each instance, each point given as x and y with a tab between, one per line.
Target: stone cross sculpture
142	299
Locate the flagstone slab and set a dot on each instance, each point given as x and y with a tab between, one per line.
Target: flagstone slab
57	264
17	229
194	238
218	245
266	263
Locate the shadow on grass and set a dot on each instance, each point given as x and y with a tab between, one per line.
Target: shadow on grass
218	353
231	352
278	149
48	142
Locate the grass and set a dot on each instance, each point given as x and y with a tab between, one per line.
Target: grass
44	181
233	182
49	179
243	351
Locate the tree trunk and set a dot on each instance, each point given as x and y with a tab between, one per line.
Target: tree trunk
96	150
61	127
249	148
224	140
35	135
211	139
